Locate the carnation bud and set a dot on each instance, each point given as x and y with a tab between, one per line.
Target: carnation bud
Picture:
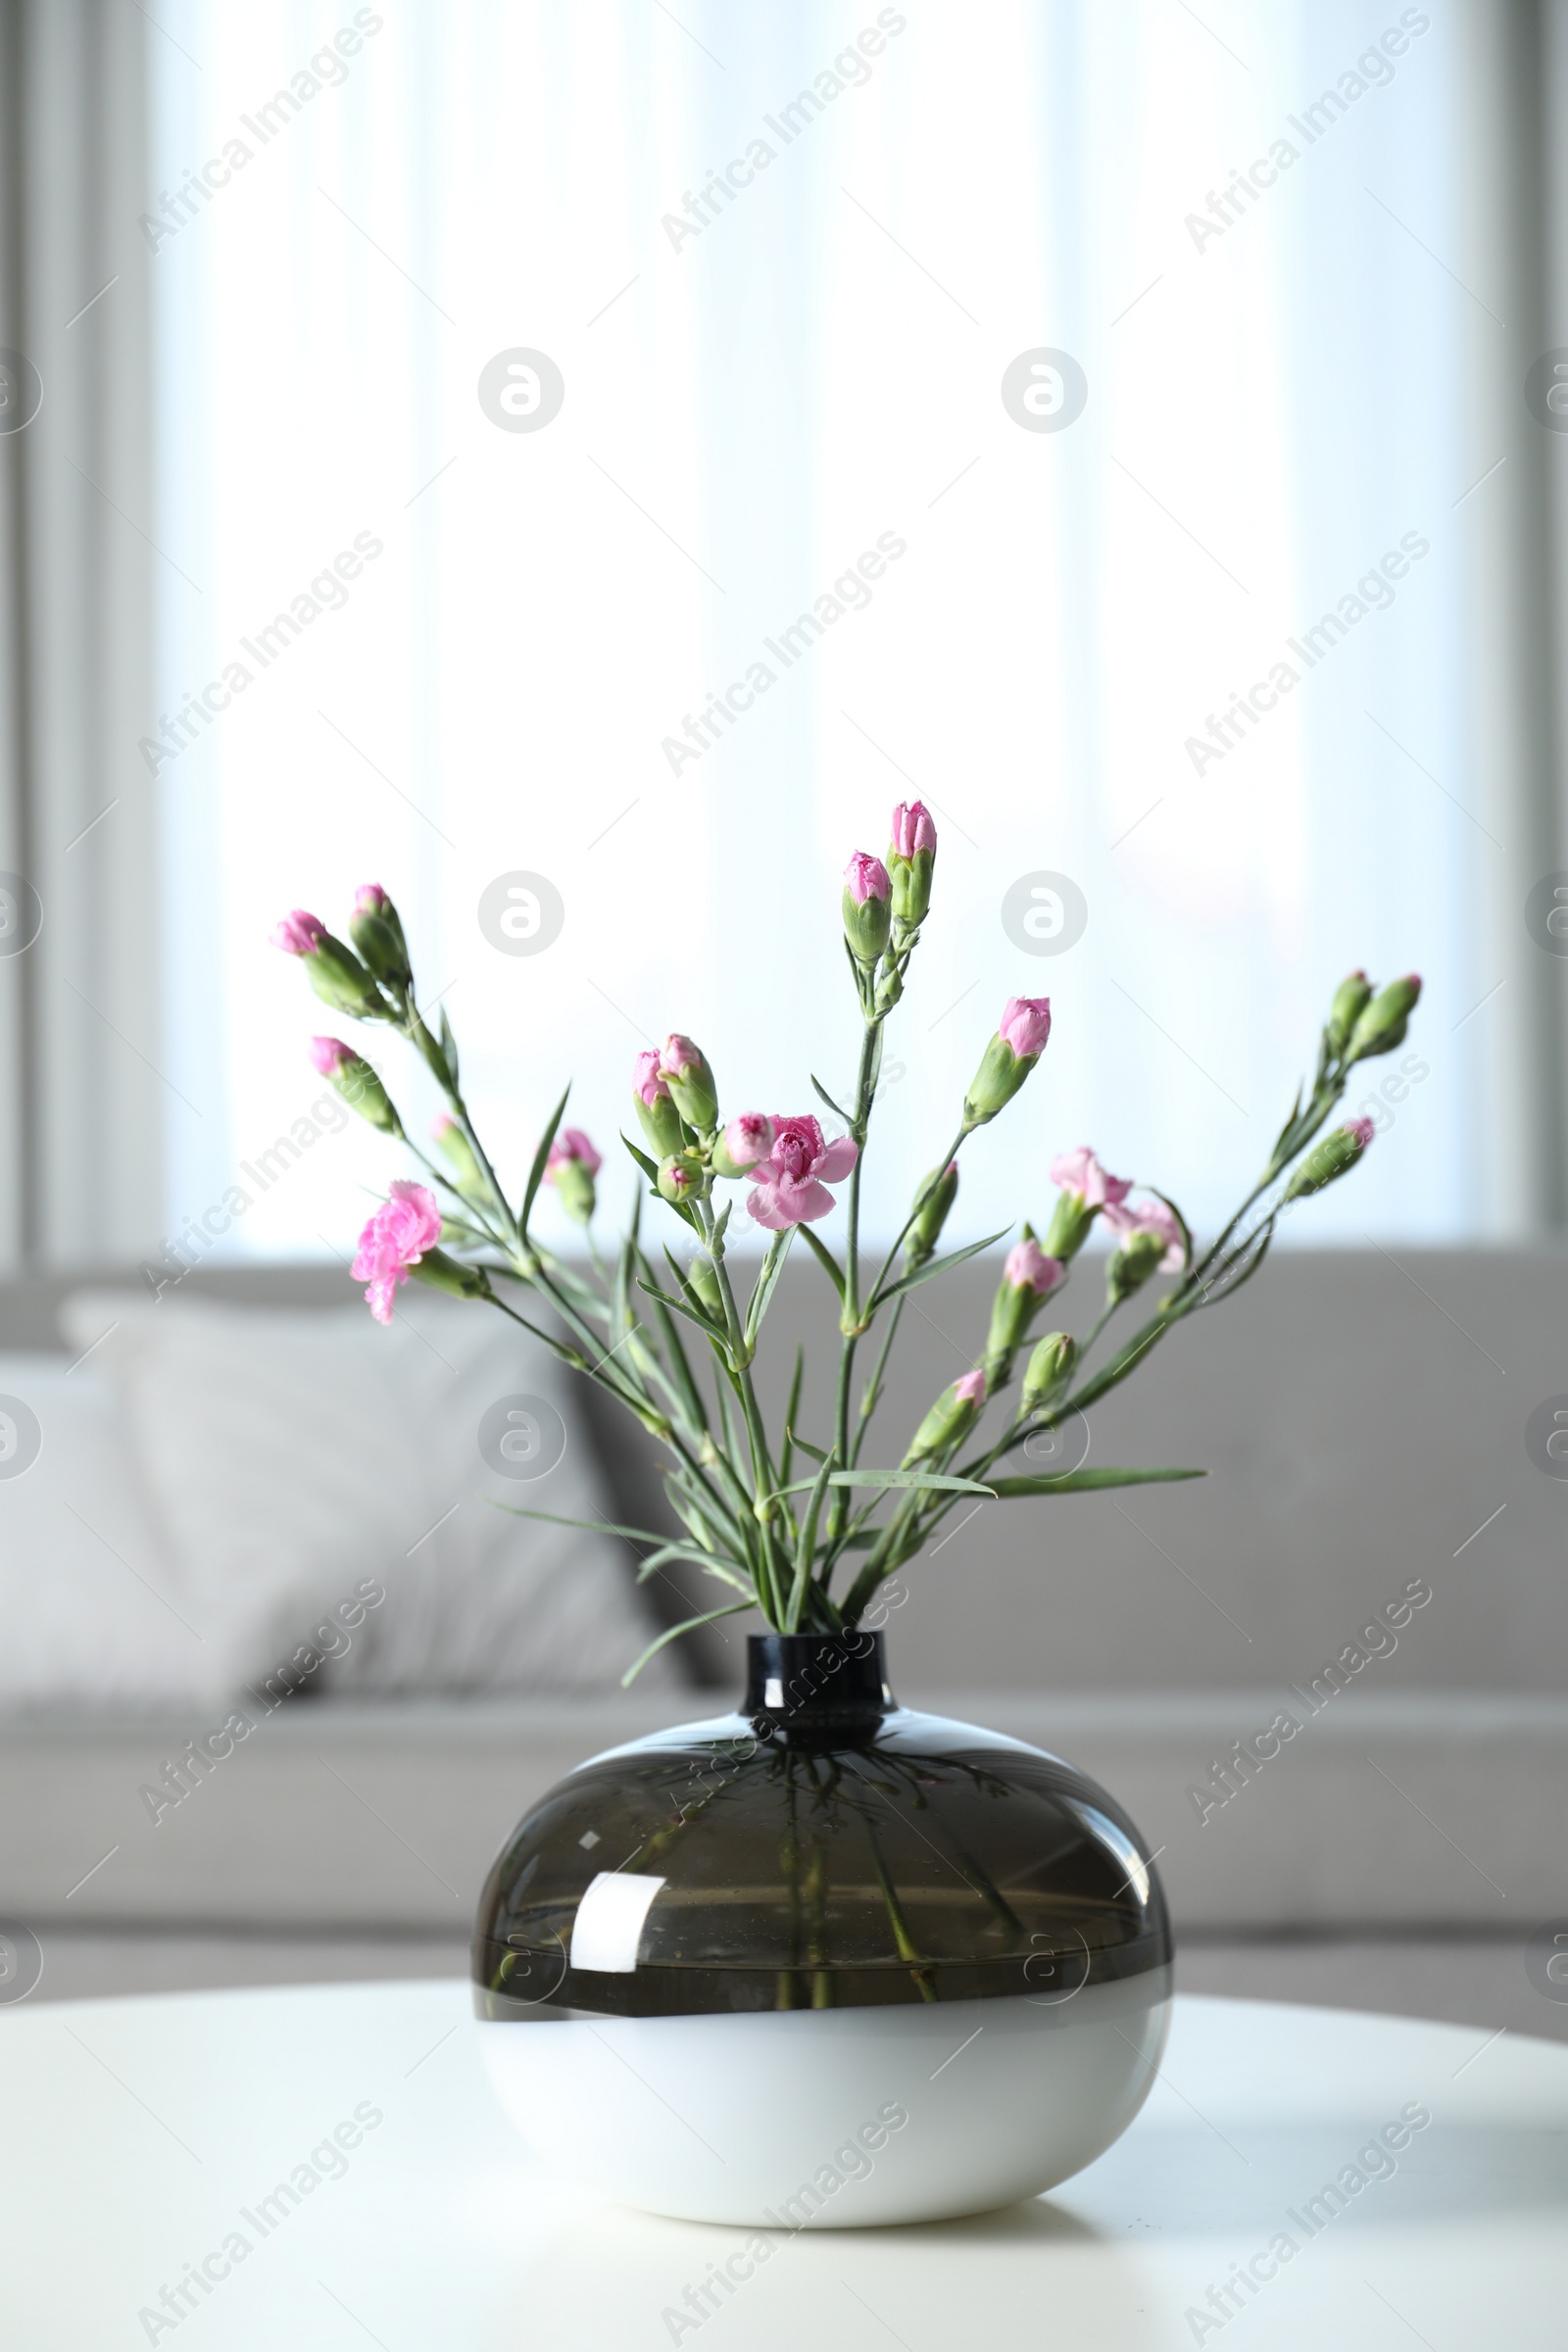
745	1142
458	1155
684	1069
936	1196
1027	1282
335	972
1338	1151
867	912
1350	1000
1050	1370
377	932
1008	1060
656	1115
571	1165
1128	1268
910	864
1071	1222
680	1176
574	1187
1087	1189
949	1420
1381	1027
355	1080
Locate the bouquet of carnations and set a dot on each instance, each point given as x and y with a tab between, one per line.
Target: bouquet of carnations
776	1520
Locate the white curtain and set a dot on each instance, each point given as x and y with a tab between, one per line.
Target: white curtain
85	1075
782	264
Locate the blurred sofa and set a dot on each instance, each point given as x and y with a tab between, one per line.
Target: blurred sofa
1375	1558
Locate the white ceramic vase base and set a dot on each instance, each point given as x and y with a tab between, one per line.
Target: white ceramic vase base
835	2119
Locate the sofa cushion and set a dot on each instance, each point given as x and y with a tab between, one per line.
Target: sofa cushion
91	1608
308	1469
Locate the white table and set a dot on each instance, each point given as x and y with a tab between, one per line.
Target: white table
138	2134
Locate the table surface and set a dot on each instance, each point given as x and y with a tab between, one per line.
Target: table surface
140	2134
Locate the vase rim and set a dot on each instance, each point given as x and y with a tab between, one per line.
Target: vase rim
803	1679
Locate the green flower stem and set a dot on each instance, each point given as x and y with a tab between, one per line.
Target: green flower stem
904	1943
624	1394
921	1199
885	1557
470	1209
864	1100
1096	1327
763	1509
436	1061
734	1524
1294	1139
871	1395
850	1319
679	1375
838	1508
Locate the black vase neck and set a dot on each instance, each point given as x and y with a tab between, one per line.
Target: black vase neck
816	1682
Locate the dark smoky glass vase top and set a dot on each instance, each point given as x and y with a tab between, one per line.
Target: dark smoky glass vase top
825	1849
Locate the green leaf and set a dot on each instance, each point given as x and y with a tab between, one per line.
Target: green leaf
1257	1243
816	1452
603	1527
824	1259
621	1314
1296	1112
837	1108
908	1478
891	1477
1088	1481
778	1250
703	1512
680	1367
537	1173
688	1625
577	1292
694	1314
649	1167
934	1266
449	1045
805	1546
1185	1229
728	1572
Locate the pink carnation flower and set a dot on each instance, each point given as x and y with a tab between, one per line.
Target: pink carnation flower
793	1181
396	1238
1028	1267
1150	1217
971	1388
571	1144
646	1080
299	933
1364	1131
865	877
371	898
913	829
1081	1172
1026	1023
329	1055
